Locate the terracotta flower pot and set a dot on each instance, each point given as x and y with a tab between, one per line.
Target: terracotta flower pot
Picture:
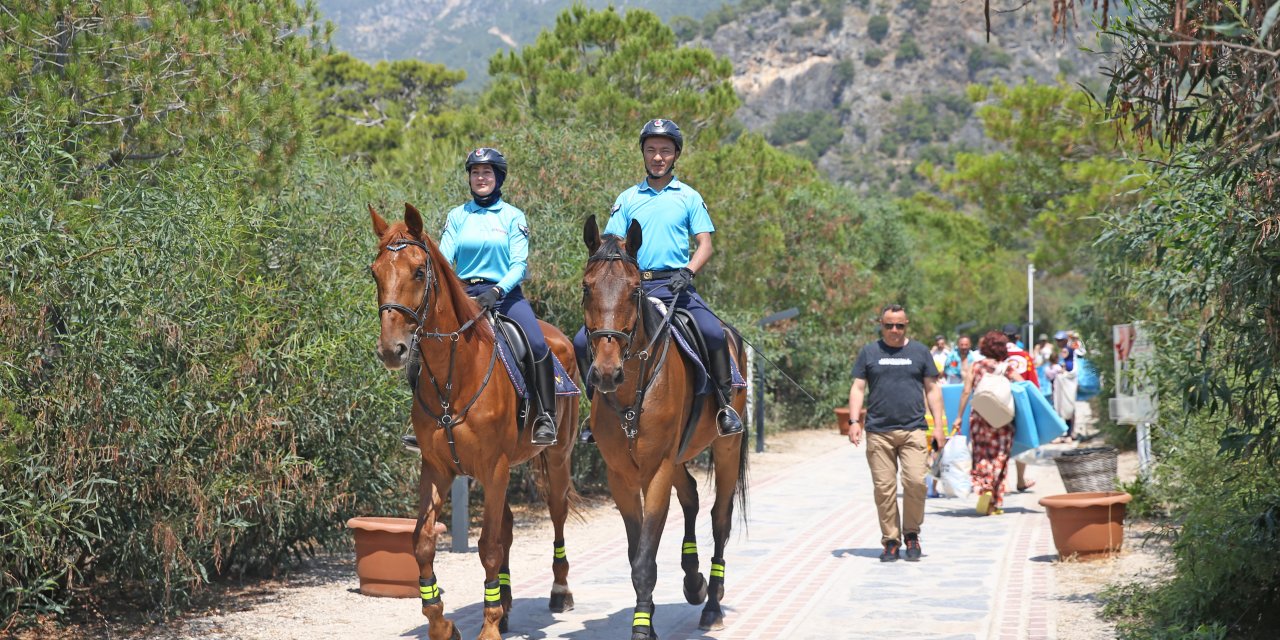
1088	525
842	420
384	556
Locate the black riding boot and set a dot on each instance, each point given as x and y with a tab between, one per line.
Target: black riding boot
727	420
544	386
584	365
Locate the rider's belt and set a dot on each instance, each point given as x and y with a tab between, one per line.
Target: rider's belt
654	275
479	281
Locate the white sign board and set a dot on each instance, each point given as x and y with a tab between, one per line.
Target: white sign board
1135	401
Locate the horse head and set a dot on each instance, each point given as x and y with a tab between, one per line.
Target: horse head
405	277
611	296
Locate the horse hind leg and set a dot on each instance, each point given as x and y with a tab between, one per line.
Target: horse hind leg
559	489
695	585
728	463
504	573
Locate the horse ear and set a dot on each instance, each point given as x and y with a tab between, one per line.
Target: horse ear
591	235
634	238
413	220
379	225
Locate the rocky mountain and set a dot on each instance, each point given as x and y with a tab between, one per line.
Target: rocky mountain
870	89
463	34
863	88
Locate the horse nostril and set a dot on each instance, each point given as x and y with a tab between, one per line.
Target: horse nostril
401	348
617	376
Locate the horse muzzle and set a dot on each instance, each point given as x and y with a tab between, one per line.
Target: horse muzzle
606	380
394	354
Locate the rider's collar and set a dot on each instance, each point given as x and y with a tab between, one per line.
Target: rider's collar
472	207
674	184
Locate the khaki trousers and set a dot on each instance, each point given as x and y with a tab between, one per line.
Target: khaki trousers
885	451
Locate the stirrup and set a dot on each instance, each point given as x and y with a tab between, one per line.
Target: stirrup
549	430
728	414
410	442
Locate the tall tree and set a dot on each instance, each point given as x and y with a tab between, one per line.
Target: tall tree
145	80
616	70
1062	163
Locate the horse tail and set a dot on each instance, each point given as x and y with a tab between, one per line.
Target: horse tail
541	467
740	491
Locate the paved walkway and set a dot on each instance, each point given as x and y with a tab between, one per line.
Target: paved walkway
808	567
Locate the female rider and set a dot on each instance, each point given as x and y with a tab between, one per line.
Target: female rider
487	241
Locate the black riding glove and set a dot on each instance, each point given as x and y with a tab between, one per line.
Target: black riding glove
489	298
680	281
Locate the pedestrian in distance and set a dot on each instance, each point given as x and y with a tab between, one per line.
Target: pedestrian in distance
990	445
1023	364
669	212
896	376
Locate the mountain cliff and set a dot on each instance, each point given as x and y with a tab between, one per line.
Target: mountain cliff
868	89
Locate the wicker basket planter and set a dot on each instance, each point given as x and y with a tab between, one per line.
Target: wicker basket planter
1091	469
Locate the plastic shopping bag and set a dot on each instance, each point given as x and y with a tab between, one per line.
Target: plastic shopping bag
956	462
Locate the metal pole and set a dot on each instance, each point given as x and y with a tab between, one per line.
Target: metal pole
759	409
460	521
1031	304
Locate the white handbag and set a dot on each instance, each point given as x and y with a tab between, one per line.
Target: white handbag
993	397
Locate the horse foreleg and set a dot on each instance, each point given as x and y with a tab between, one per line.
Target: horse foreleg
627	496
559	481
695	585
491	549
644	567
432	488
727	464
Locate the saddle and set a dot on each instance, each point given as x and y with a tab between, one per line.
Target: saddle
517	343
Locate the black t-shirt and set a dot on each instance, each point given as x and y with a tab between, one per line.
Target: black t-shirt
895	384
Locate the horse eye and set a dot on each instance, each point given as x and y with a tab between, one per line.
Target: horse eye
420	274
586	291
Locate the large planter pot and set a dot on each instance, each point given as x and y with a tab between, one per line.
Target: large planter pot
384	556
842	420
1087	525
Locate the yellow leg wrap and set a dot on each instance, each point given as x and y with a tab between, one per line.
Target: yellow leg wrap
690	547
717	570
641	619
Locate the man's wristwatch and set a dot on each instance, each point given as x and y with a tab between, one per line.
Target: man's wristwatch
853	421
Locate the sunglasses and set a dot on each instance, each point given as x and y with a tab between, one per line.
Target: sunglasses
900	326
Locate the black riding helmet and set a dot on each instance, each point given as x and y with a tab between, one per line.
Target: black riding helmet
663	128
491	157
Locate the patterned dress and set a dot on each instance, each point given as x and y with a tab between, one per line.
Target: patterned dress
990	446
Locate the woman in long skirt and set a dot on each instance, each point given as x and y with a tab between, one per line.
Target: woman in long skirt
991	446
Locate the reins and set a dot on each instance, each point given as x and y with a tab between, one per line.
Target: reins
629	416
445	418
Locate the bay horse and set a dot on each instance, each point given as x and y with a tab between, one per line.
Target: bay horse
466	423
644	398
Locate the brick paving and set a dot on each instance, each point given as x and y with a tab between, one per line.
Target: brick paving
807	567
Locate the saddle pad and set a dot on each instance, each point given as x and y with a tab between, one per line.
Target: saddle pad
701	378
564	382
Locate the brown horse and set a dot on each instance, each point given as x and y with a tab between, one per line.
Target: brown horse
466	422
643	400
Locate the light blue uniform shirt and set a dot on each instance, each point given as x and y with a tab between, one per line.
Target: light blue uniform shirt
487	242
667	219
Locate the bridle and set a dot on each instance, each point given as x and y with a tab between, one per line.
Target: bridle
445	418
629	416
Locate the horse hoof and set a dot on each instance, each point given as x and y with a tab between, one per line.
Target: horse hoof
697	592
503	623
561	602
711	621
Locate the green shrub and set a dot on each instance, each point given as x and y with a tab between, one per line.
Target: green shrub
878	27
873	57
908	50
987	57
921	7
844	72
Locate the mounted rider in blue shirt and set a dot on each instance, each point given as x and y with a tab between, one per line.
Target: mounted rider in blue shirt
487	242
669	211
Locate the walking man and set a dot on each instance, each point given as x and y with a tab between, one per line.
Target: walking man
896	376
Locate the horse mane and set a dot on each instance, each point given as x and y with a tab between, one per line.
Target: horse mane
464	308
610	246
